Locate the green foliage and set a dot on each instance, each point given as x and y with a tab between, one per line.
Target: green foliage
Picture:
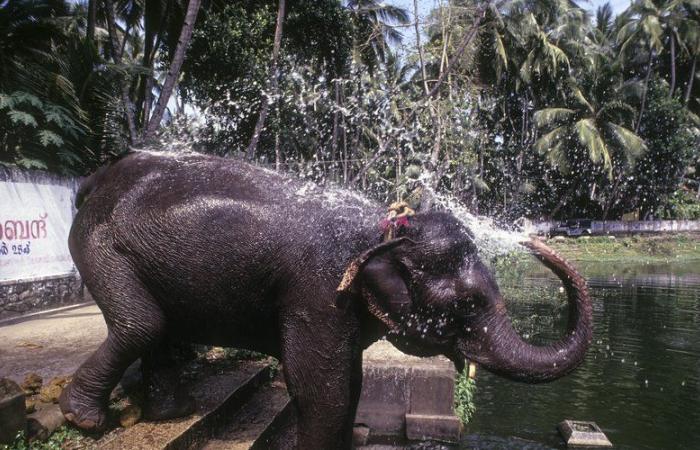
683	205
672	141
56	441
465	389
239	37
58	107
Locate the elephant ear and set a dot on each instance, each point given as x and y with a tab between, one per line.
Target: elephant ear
361	261
382	281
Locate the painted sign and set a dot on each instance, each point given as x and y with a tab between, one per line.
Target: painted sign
34	223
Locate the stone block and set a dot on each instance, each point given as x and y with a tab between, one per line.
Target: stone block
12	410
432	391
433	427
396	387
385	398
360	435
583	434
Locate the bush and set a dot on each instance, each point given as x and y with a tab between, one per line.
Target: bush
682	205
465	388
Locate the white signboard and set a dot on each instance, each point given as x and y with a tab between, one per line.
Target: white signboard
34	223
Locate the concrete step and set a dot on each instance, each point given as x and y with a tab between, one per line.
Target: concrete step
219	392
258	423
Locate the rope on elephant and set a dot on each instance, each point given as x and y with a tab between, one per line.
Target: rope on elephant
398	215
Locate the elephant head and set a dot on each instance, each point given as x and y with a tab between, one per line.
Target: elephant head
433	293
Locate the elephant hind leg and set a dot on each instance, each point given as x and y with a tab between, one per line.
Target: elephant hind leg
166	394
135	324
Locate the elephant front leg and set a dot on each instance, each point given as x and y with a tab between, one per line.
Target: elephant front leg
323	375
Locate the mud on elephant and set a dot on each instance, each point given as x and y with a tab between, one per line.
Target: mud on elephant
220	252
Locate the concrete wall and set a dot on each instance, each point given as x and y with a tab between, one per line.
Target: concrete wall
601	227
25	294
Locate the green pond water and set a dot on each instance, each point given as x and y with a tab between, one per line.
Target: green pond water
640	381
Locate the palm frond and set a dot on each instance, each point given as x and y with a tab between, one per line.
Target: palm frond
549	116
629	142
589	136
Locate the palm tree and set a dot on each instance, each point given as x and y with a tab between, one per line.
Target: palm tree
375	23
174	68
59	108
689	31
644	23
598	128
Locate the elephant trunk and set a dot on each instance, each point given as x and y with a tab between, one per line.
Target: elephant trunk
509	355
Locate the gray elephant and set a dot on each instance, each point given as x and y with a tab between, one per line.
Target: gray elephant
219	252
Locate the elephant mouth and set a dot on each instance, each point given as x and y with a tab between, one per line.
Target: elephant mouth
459	359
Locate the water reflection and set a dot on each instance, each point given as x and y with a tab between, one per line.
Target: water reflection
640	380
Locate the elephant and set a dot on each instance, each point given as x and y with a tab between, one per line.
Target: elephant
220	252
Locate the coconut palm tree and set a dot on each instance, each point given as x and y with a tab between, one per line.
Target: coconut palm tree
644	23
600	128
376	23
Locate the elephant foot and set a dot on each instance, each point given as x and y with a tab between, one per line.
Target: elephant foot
164	407
85	415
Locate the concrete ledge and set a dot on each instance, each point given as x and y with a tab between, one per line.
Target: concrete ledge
396	387
432	427
44	313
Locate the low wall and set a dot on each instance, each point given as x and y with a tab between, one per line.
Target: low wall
22	297
36	269
605	227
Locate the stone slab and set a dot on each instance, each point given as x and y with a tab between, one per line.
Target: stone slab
385	399
583	434
432	391
217	392
246	428
420	427
12	410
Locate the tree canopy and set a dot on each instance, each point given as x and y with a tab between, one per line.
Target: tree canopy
515	108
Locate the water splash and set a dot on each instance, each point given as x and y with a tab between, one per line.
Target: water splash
491	239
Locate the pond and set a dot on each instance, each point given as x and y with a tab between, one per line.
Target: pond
640	381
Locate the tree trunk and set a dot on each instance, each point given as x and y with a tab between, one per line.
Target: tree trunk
272	83
644	93
117	57
278	152
673	65
174	69
336	124
420	49
468	36
126	38
91	19
153	37
689	88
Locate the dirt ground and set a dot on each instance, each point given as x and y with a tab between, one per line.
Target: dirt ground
52	345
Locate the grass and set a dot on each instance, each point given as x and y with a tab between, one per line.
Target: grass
640	248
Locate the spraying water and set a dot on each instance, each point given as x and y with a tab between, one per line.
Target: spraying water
491	239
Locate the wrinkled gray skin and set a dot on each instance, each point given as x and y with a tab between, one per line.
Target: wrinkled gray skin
218	252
